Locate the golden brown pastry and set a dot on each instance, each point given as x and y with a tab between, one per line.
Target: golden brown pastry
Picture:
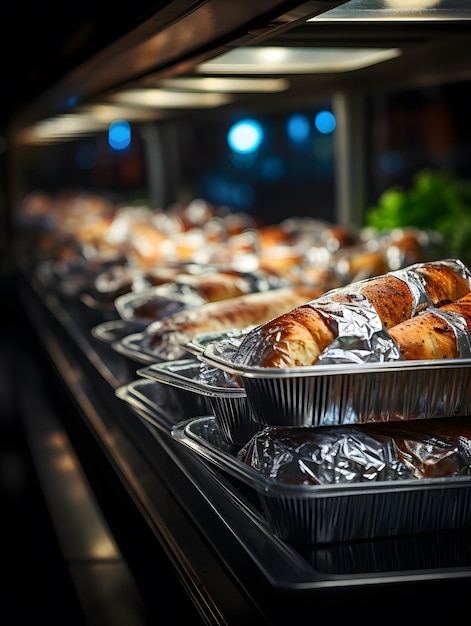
217	286
237	313
435	334
298	337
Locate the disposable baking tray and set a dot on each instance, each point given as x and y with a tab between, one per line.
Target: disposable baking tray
227	403
201	341
160	403
330	394
333	513
113	330
134	347
419	557
171	298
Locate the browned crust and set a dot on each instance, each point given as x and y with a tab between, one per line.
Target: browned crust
391	297
442	283
429	336
295	338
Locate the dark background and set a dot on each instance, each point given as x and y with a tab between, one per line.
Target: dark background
42	41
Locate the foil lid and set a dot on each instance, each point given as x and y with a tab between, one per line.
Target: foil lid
416	282
460	328
432	456
361	336
156	303
215	377
350	454
227	346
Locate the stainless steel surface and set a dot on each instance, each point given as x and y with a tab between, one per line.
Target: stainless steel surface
103	581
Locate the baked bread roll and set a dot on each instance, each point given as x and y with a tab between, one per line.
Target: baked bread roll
217	286
168	335
443	333
298	337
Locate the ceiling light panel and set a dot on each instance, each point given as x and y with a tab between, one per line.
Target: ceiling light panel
286	60
171	99
227	85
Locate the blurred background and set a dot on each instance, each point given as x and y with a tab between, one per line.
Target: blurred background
415	140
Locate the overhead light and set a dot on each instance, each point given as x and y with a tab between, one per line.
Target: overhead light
228	85
396	10
68	125
170	99
108	113
85	121
281	60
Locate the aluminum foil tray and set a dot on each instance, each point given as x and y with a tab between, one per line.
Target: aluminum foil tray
133	347
324	514
171	298
419	557
159	403
115	330
142	396
227	403
329	394
201	341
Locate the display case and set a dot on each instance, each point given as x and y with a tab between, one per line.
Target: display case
171	509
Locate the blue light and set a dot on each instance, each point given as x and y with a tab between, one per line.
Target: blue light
119	135
245	137
298	127
325	122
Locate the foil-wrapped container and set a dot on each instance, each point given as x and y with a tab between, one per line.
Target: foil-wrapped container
114	330
352	393
230	339
361	376
421	483
159	404
76	274
156	302
116	281
225	399
350	454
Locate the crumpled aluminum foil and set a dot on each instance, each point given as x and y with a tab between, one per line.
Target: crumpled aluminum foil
228	346
460	328
352	454
362	337
215	377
